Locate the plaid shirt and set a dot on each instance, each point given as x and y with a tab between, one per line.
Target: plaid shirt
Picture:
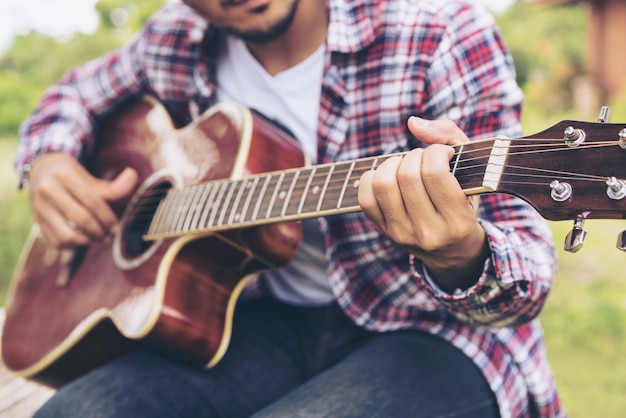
385	61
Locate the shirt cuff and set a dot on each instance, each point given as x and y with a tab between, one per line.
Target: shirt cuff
420	271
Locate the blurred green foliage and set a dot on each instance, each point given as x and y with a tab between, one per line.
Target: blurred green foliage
35	61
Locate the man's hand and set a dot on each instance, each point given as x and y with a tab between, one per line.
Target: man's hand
419	204
70	205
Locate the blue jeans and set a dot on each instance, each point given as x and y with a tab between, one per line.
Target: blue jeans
287	361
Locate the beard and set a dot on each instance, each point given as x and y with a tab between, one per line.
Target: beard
270	33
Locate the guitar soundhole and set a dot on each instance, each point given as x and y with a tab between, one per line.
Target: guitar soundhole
134	244
130	249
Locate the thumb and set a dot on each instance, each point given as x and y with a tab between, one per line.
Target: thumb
120	187
436	131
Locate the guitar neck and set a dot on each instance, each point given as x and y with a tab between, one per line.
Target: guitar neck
296	194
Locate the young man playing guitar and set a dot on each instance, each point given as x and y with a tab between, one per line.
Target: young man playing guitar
424	304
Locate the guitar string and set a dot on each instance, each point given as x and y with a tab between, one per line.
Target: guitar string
339	172
331	183
157	195
150	198
337	182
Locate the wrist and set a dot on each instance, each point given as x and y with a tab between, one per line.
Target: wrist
460	268
27	167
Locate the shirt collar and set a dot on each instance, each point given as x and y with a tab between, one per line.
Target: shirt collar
351	24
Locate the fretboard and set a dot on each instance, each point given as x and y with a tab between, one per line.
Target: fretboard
301	193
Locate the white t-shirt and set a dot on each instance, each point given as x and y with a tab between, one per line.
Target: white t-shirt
291	97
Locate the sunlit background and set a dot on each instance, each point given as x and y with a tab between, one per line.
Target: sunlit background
555	47
63	18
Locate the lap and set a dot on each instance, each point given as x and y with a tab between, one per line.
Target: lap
400	374
292	362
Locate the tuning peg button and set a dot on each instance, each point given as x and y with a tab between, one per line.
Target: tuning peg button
621	241
605	114
575	240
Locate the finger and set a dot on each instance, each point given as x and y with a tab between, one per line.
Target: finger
75	201
441	185
417	202
93	213
436	131
120	187
376	188
367	200
387	192
61	232
450	201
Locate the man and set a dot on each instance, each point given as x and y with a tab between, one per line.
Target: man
423	305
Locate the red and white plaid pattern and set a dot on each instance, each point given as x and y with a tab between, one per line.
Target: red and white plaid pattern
386	61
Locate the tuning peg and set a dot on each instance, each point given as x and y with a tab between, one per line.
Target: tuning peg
576	237
621	241
605	114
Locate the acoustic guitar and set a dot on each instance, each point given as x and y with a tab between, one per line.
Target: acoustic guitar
219	201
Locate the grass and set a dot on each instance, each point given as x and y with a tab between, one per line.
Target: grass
585	323
584	318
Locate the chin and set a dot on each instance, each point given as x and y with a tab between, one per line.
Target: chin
264	24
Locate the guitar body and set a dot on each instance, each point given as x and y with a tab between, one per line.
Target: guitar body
69	311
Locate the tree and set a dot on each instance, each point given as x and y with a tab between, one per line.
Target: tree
547	44
35	61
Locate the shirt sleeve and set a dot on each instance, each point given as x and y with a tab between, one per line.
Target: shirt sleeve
66	114
516	278
472	82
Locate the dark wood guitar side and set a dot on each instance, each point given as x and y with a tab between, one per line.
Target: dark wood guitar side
70	311
207	218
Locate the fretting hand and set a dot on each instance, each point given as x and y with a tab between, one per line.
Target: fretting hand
419	204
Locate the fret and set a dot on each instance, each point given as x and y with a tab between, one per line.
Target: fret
311	198
188	196
306	189
172	210
180	209
287	197
472	166
325	187
292	187
261	199
251	192
274	195
215	204
160	214
208	205
333	191
345	184
200	205
192	207
455	164
234	215
374	163
351	196
225	203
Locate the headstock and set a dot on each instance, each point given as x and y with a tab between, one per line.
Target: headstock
572	170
